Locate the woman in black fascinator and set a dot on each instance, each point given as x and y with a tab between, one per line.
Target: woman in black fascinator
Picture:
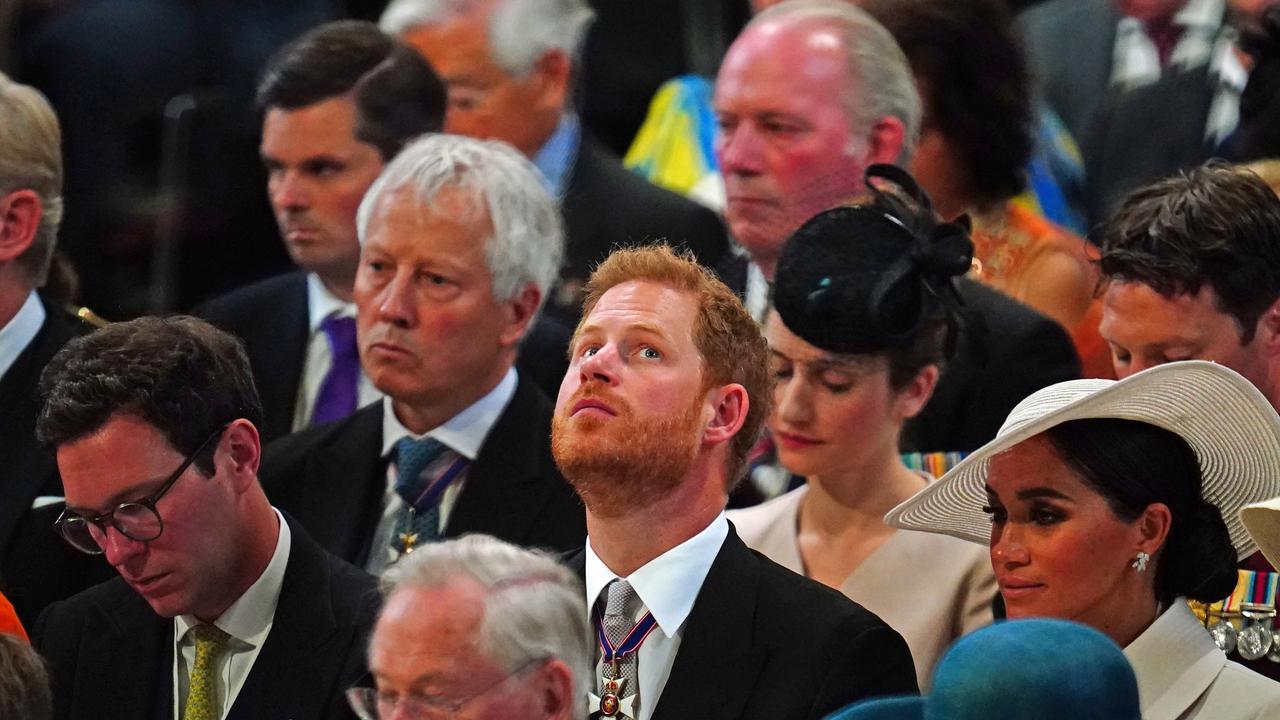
865	314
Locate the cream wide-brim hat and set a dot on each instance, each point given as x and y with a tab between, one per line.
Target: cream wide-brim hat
1233	430
1262	520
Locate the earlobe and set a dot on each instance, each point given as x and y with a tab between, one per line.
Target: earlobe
244	450
888	137
1153	528
20	213
732	405
521	311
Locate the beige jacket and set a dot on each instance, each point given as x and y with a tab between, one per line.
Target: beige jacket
930	588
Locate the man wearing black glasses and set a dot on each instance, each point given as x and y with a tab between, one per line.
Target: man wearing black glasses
223	608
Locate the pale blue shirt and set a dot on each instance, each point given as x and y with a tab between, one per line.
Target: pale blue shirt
556	156
21	329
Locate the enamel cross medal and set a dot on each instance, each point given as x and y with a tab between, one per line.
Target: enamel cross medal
610	703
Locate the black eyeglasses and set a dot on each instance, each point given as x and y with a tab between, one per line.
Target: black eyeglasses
137	519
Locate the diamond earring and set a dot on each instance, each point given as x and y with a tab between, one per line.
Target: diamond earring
1140	562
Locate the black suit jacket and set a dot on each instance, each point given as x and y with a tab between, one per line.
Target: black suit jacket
607	206
112	656
272	318
332	478
36	566
1005	352
763	643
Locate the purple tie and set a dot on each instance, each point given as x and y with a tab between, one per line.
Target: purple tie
337	396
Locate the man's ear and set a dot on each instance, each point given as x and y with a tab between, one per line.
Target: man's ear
520	313
1268	329
730	404
554	74
240	451
20	213
885	141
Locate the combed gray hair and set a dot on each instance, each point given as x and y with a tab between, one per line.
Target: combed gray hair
879	77
31	159
534	607
520	31
24	681
528	236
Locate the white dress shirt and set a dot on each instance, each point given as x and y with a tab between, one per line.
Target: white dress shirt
320	305
464	434
667	585
248	621
21	329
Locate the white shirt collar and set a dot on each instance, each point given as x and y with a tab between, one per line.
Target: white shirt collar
249	618
18	333
321	303
463	433
669	583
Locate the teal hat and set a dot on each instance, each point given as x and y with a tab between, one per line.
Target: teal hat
1035	669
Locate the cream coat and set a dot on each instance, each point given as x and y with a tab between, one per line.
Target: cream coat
1182	674
930	588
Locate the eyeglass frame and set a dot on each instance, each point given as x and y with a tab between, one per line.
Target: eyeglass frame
149	502
356	696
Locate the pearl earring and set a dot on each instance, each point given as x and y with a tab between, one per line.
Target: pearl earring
1140	562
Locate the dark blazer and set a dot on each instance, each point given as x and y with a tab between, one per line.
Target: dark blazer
36	566
332	479
762	642
111	656
607	206
272	318
1005	352
1070	46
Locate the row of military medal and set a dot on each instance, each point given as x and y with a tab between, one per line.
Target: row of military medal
1256	637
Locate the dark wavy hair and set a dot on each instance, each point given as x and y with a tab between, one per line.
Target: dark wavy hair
973	76
396	93
180	374
1134	464
1214	225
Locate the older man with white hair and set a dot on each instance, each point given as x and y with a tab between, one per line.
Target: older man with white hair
34	567
509	67
481	629
459	245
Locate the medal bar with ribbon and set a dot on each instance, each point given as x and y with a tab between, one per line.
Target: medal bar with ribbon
1243	622
408	539
610	703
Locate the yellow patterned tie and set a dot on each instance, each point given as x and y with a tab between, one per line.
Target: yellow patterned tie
202	691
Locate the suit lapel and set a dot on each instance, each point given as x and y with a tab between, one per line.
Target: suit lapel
280	372
717	664
304	626
138	681
503	492
349	473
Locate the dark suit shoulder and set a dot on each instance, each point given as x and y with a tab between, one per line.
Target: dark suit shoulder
284	455
246	304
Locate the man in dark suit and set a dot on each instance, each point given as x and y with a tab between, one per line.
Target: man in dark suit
1146	87
338	103
510	68
792	146
153	424
460	245
35	568
667	389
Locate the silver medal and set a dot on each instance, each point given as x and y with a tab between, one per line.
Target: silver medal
1254	641
1224	636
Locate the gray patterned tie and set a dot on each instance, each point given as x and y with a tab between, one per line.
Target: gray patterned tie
620	610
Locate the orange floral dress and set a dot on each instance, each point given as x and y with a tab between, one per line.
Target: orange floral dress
1040	264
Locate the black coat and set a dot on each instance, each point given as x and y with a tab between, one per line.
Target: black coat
112	657
36	566
272	319
607	206
763	643
333	479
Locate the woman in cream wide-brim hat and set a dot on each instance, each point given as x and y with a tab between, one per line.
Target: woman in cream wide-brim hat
1110	503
